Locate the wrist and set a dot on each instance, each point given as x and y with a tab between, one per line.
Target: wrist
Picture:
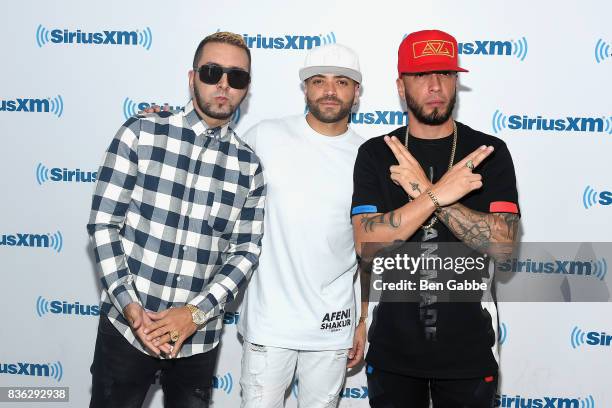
130	306
423	187
434	199
197	316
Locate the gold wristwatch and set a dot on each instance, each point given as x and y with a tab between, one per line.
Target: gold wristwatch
197	316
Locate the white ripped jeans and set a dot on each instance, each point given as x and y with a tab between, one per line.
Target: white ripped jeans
267	373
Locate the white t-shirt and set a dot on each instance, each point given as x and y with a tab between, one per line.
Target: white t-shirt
301	296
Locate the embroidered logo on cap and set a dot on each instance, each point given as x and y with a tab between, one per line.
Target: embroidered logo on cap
433	47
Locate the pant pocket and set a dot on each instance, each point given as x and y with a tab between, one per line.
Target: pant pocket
341	354
255	358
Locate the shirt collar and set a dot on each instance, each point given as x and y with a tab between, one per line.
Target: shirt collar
199	126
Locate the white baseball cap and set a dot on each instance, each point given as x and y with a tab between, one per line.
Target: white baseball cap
334	59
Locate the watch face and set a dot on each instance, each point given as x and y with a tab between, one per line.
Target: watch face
199	317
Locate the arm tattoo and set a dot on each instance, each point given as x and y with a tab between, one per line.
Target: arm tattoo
415	186
479	230
370	222
509	225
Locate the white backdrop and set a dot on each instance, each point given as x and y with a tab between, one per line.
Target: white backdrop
62	101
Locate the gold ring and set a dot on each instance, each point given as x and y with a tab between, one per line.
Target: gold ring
174	336
470	165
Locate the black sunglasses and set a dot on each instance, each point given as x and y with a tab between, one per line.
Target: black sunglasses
236	78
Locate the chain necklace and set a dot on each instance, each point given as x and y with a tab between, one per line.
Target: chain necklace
434	219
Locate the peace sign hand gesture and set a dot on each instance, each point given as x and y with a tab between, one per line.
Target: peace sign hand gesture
408	173
459	180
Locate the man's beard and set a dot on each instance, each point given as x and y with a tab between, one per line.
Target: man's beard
207	108
329	117
436	117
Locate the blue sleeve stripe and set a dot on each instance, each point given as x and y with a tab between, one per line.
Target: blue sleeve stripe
362	209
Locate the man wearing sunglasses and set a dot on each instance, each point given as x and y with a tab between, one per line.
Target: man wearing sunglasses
437	183
298	313
176	225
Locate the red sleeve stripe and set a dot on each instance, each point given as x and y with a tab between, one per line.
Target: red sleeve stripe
503	206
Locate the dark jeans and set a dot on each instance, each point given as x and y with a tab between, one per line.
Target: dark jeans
121	374
390	390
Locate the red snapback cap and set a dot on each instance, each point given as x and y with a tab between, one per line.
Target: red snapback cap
428	50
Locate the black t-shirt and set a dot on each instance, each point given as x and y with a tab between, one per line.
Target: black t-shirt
464	341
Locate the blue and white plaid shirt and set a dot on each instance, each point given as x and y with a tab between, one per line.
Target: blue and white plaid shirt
177	217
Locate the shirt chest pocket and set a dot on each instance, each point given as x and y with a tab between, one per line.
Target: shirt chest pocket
225	210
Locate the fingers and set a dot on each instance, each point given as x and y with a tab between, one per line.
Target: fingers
177	347
155	333
395	178
355	360
355	355
162	340
475	181
475	185
154	325
395	169
165	348
158	315
398	149
477	156
352	362
135	321
148	344
481	155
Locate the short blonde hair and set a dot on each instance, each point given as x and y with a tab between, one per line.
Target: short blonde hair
223	37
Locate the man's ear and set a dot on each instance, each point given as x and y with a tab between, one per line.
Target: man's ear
357	93
305	89
191	76
400	88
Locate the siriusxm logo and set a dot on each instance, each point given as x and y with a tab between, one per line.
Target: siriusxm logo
231	317
597	268
131	108
503	333
602	50
57	174
354	393
53	105
568	124
517	401
143	38
53	241
591	197
53	370
514	48
517	48
289	42
377	117
397	118
580	338
44	306
224	383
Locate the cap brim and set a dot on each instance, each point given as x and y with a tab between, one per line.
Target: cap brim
308	72
432	67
